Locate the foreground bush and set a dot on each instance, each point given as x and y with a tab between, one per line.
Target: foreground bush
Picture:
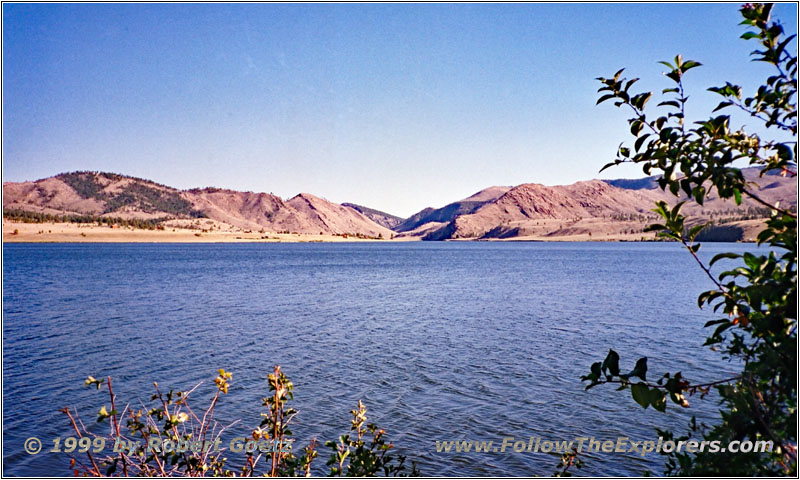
171	439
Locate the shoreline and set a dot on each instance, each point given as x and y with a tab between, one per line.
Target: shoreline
83	233
50	232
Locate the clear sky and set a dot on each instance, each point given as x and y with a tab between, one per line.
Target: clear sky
393	106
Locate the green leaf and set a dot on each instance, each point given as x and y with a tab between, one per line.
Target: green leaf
611	363
676	209
695	230
657	399
670	103
103	414
689	64
641	394
639	141
722	105
597	369
721	328
655	227
700	194
639	101
93	381
711	323
674	76
604	98
640	369
720	256
610	164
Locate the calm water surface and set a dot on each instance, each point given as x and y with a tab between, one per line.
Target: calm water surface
442	341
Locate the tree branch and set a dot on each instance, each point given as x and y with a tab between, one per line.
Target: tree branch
663	387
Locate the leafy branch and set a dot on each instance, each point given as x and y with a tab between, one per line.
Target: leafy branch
759	296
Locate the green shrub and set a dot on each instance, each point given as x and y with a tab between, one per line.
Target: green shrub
362	452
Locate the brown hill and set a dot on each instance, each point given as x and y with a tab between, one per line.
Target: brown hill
326	216
530	202
584	208
111	195
50	195
246	210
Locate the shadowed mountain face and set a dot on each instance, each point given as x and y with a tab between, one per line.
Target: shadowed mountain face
635	183
449	212
381	218
652	182
112	195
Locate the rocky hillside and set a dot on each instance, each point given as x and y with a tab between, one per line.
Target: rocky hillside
524	205
323	215
599	208
119	196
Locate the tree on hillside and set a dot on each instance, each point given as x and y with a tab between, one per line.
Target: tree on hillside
758	297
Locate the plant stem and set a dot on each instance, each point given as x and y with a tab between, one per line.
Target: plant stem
78	432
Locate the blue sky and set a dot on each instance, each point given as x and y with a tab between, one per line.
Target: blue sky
393	106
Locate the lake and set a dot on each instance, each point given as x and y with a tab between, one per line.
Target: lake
442	341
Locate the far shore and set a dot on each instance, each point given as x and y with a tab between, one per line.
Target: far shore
86	233
18	232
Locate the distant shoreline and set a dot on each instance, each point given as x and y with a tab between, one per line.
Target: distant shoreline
84	233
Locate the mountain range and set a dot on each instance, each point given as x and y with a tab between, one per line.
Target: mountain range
596	207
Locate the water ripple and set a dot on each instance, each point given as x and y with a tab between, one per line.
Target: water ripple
450	341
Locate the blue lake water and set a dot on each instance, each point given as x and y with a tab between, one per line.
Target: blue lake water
442	341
